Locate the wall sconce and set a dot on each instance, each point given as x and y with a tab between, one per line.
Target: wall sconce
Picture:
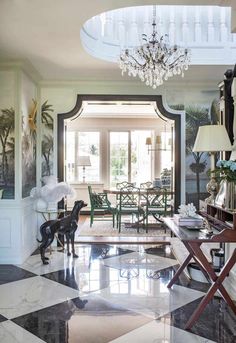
158	142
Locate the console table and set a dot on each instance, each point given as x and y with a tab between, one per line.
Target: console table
192	240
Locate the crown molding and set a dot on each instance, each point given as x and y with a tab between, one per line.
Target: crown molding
132	85
22	65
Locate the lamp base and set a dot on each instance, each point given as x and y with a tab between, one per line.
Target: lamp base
212	187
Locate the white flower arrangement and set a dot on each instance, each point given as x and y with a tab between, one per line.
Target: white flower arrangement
186	211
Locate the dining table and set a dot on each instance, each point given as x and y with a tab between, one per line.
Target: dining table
142	192
138	191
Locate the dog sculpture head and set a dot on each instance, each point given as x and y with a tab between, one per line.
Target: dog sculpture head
80	204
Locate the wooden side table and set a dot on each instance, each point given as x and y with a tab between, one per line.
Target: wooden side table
192	239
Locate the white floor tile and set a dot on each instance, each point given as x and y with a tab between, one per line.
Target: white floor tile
140	260
24	296
149	297
57	261
12	333
158	332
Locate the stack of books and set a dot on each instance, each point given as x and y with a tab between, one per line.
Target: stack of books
188	221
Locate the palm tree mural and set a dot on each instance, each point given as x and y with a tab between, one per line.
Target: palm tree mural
7	126
29	137
47	119
47	141
47	148
197	116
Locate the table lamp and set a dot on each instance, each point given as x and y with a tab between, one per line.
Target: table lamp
211	139
84	161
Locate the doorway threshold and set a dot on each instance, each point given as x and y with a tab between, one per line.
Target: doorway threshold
122	240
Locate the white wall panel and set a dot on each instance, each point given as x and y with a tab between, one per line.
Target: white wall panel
5	233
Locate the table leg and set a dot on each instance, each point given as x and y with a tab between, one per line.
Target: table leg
216	282
59	241
179	271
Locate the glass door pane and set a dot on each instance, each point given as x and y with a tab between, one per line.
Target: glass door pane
70	156
89	145
119	142
141	166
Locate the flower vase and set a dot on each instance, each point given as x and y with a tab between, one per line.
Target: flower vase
226	196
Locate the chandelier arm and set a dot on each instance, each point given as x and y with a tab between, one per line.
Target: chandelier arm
135	60
174	62
154	60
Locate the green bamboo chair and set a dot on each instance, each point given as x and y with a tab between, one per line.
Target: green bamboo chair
101	208
146	185
157	205
129	204
125	184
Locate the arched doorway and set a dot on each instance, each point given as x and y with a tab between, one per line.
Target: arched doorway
160	108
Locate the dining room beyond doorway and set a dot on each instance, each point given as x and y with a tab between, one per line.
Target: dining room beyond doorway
109	142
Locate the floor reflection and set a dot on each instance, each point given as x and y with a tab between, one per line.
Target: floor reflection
115	294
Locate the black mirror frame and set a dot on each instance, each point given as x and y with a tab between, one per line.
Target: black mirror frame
157	99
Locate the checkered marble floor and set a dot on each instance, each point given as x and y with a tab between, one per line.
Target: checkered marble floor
108	294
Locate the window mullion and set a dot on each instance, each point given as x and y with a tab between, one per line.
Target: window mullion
129	156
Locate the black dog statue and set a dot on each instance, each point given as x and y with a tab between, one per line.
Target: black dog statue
64	226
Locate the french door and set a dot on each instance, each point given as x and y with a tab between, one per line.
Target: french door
129	159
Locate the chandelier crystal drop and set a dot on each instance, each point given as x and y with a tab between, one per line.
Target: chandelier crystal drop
155	60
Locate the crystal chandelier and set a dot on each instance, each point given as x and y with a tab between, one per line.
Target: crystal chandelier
155	60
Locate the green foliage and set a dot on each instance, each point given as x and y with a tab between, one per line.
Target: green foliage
47	148
226	170
215	111
195	116
47	119
118	164
93	150
7	125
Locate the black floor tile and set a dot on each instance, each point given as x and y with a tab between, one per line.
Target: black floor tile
83	319
161	250
217	322
36	252
2	319
10	273
103	251
183	280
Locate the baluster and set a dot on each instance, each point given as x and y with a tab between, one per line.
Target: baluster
198	27
185	25
172	27
159	21
121	29
108	26
133	32
223	27
210	28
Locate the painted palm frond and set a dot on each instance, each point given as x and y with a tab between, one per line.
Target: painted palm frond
7	125
47	148
32	117
195	117
47	118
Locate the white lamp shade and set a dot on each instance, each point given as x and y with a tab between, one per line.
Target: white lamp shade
84	161
211	138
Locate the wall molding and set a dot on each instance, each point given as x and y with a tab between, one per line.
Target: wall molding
23	65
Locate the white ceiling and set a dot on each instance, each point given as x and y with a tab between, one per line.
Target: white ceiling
47	33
